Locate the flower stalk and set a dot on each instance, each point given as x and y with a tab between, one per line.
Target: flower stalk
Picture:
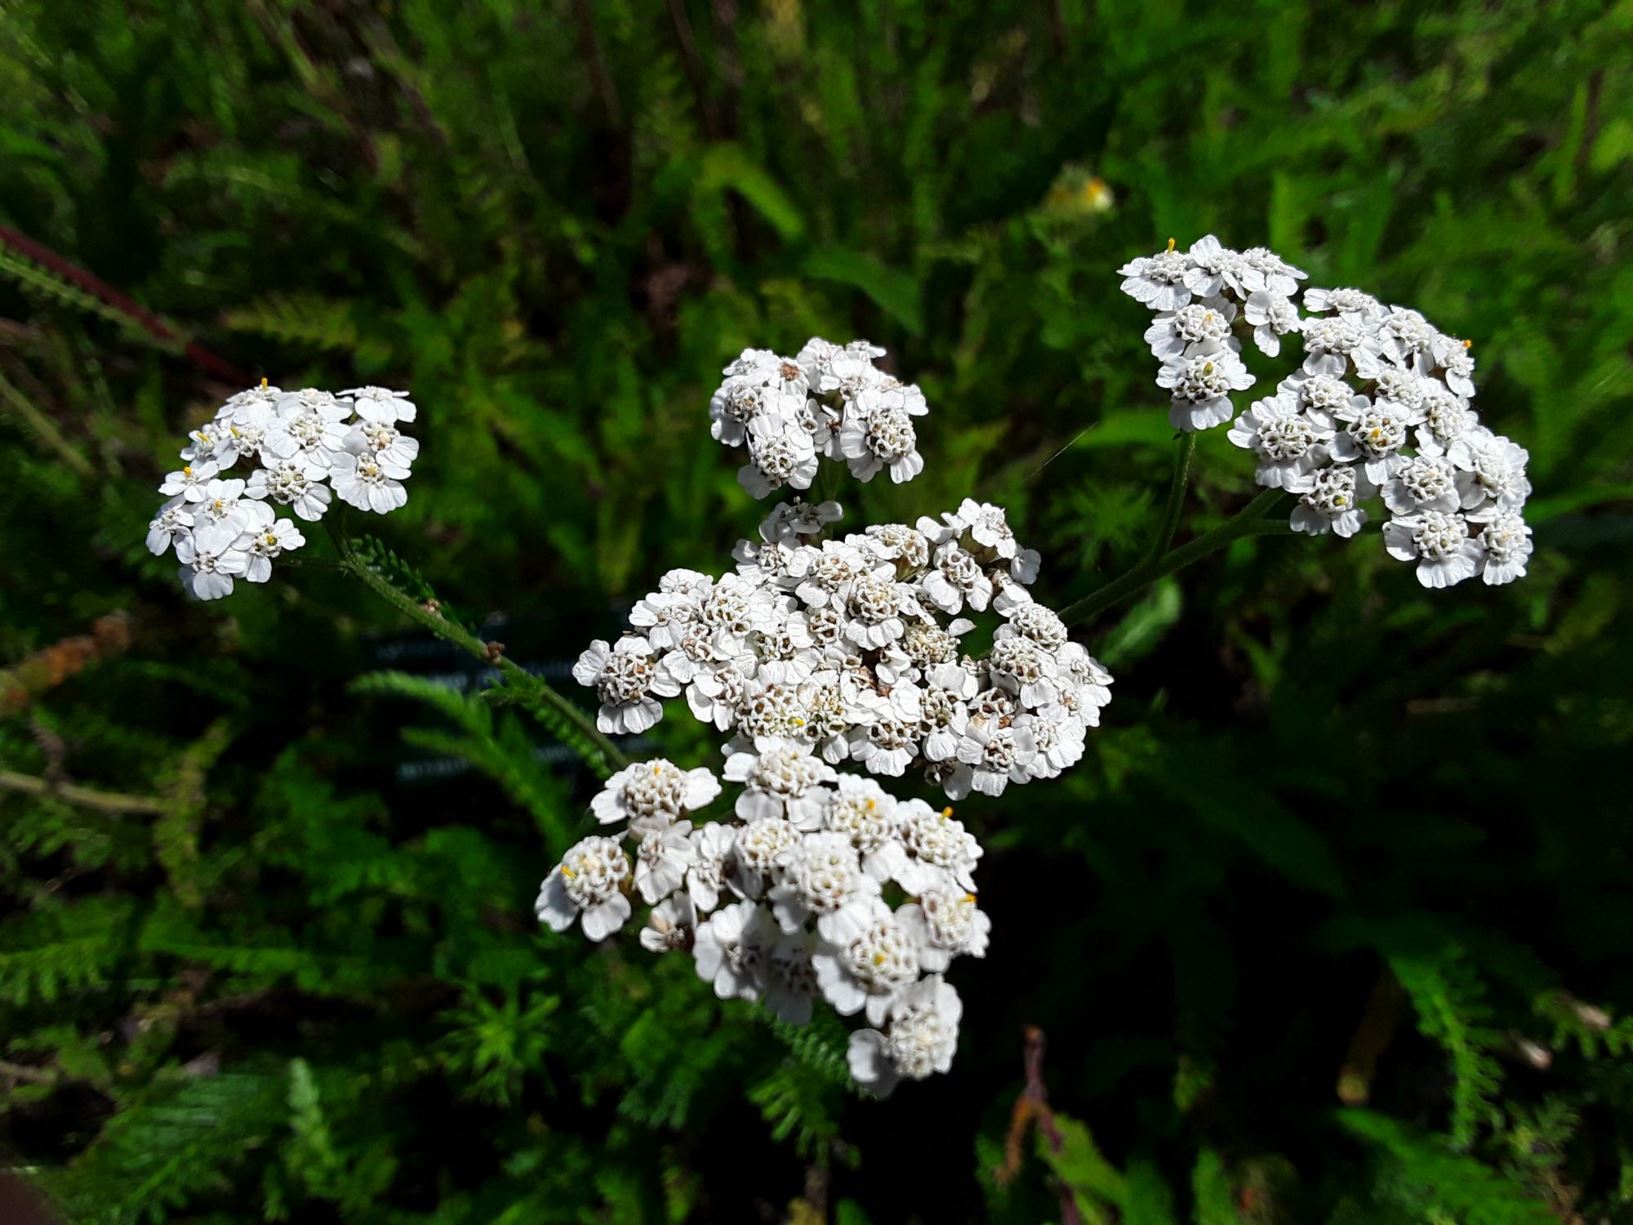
606	757
1249	521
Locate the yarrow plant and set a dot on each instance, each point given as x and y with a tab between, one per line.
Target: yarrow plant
1378	411
301	449
836	668
828	664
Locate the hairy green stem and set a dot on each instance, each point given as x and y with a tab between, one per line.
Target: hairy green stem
517	678
1249	521
1176	496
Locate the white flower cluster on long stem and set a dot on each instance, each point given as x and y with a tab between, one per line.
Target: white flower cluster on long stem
304	444
1378	409
829	401
816	655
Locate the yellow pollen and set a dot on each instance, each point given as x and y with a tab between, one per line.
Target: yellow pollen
969	899
271	538
233	430
1468	344
187	471
870	805
946	812
567	872
879	959
263	384
1170	244
1207	367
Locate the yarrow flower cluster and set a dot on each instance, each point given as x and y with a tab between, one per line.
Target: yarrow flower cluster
828	401
1378	409
301	449
788	900
828	664
852	649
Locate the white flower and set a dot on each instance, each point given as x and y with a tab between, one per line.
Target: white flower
366	483
1201	387
1404	335
242	434
1331	343
393	450
712	846
732	948
266	542
795	518
944	709
293	483
781	778
1085	685
780	453
310	425
1438	541
870	969
629	682
223	503
1372	438
1424	482
957	579
1274	274
1158	281
990	758
661	860
1406	390
211	558
587	884
878	433
1058	738
247	405
758	853
943	852
923	1039
1289	442
1359	308
381	404
791	985
651	794
671	925
191	482
1447	418
1457	364
1490	467
1201	327
862	811
1507	543
823	877
173	522
1215	269
1271	317
1024	668
876	607
1323	396
888	740
946	923
1329	504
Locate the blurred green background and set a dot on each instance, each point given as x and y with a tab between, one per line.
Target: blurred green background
1333	923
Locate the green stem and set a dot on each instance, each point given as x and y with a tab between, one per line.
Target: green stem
1246	522
1176	496
517	678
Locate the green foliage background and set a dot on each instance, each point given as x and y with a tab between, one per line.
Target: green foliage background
1332	924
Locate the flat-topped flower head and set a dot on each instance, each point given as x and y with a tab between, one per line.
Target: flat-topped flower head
366	482
922	1039
1505	541
1201	327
